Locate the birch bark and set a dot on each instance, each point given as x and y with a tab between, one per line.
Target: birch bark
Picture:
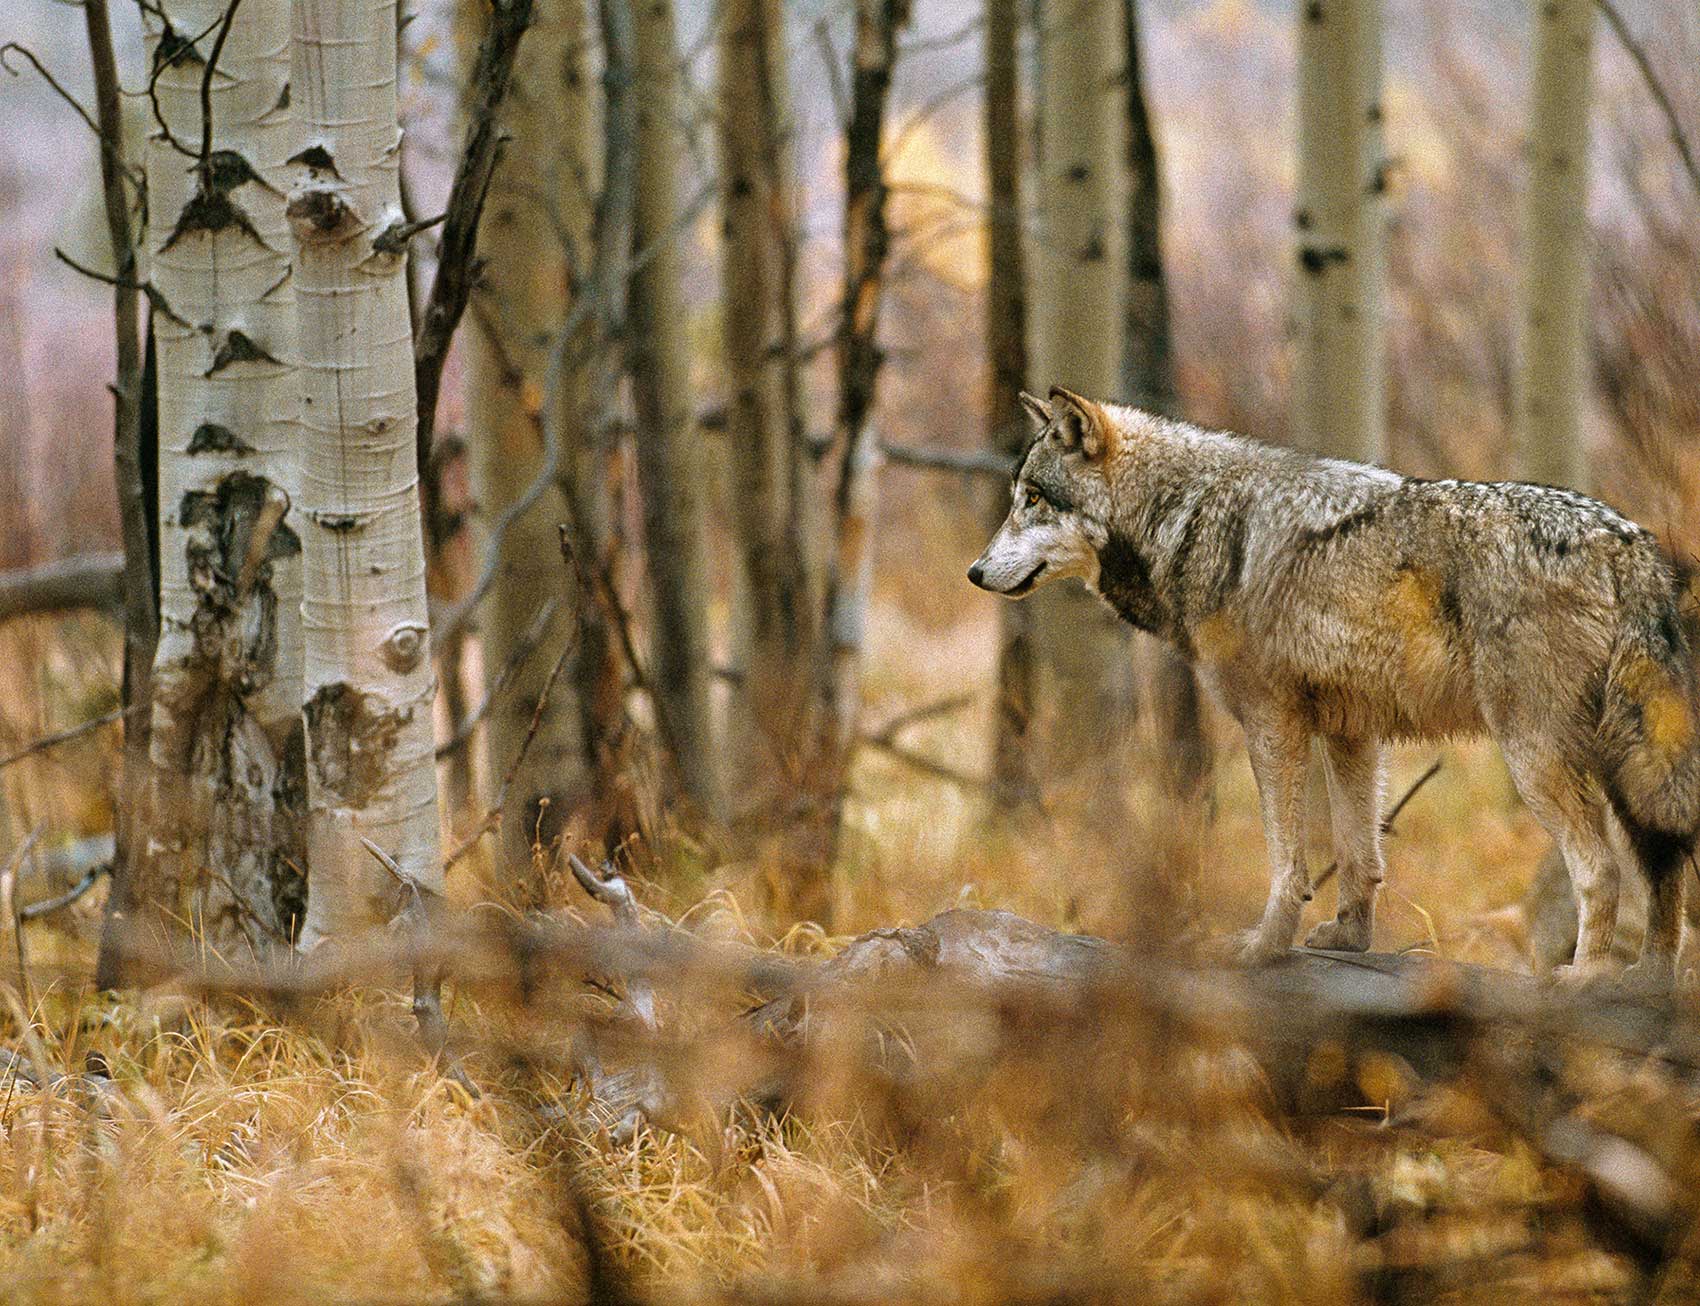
227	792
1339	370
1552	369
1077	295
368	678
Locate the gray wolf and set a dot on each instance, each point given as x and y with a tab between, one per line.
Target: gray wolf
1318	598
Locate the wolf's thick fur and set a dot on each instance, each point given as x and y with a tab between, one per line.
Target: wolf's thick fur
1325	598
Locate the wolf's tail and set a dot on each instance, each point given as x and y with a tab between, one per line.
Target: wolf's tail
1649	730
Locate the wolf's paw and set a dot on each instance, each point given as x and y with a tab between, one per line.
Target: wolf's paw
1649	976
1253	948
1340	936
1575	977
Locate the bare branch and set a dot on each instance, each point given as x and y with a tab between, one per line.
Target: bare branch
204	169
976	462
90	580
1655	87
522	651
456	268
65	736
1327	873
12	47
563	357
156	298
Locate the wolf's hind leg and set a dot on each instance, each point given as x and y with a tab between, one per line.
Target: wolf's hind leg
1354	807
1279	746
1656	970
1571	813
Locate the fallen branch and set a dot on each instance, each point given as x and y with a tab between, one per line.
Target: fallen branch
87	580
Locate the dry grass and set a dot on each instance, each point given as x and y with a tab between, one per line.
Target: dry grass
245	1156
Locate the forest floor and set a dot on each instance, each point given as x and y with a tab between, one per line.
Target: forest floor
241	1155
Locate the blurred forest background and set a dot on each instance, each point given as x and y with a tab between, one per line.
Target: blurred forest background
740	340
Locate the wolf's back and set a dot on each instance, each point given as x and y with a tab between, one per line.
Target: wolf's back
1649	727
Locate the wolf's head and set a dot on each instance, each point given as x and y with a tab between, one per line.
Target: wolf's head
1060	500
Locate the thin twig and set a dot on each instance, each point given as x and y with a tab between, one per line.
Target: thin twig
205	168
493	817
977	462
156	297
1655	87
1327	873
602	590
49	78
938	770
526	646
63	737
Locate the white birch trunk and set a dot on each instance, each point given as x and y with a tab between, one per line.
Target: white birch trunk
522	298
1339	369
227	790
1077	342
368	675
1551	387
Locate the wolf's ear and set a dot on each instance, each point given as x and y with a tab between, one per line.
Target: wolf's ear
1038	410
1084	424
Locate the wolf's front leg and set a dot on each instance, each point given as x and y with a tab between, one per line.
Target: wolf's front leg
1280	749
1354	807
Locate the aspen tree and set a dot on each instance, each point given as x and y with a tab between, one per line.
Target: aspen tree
1006	349
1148	380
669	458
1077	343
1339	369
368	675
771	472
1551	385
227	795
537	224
867	242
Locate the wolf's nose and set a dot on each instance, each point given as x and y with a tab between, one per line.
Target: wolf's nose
977	574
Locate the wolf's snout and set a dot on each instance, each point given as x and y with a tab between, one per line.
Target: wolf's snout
977	574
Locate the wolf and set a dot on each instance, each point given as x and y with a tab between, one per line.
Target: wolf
1323	599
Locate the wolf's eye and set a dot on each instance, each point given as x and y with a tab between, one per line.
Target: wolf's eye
1033	497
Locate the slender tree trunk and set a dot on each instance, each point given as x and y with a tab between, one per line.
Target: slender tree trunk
1338	387
1552	366
771	474
368	675
141	617
226	792
867	240
1148	380
1006	349
670	463
1077	343
593	490
537	228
